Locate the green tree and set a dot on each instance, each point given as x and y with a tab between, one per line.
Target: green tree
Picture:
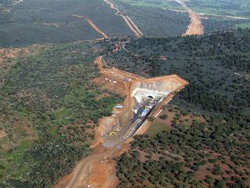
164	116
151	118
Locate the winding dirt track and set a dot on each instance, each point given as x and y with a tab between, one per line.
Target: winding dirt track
93	25
195	27
132	26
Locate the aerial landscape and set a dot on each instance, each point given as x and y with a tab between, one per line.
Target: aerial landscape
124	93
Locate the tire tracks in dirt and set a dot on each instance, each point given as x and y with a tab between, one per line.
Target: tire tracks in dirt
132	26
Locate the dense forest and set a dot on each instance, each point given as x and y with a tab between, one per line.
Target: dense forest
48	111
209	153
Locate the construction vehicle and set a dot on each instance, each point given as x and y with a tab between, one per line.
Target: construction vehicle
112	134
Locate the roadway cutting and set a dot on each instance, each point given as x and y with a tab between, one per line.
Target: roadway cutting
144	98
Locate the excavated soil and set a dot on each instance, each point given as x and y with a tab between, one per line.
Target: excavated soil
105	125
104	174
196	27
99	169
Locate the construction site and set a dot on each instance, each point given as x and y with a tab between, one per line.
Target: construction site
144	98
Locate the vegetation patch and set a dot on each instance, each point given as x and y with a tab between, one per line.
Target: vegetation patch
48	113
52	22
202	148
154	19
231	7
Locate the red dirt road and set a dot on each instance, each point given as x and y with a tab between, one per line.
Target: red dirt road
132	26
195	27
93	25
97	170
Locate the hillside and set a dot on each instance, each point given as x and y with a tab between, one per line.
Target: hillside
169	18
50	106
206	141
155	21
124	93
49	109
30	22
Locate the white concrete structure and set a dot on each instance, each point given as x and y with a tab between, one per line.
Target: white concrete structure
141	93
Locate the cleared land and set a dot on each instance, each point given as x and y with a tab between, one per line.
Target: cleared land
85	172
195	27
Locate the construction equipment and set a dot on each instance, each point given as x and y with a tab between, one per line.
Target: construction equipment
112	134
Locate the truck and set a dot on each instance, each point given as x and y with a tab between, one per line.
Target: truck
144	113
